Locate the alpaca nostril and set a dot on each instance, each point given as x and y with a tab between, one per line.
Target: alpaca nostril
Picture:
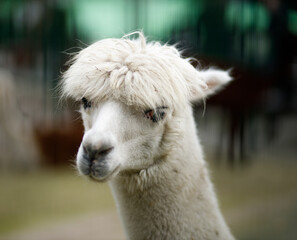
92	154
89	153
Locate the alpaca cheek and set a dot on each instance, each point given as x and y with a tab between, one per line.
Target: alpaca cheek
140	153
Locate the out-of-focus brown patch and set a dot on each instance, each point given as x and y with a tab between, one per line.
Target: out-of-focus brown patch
59	143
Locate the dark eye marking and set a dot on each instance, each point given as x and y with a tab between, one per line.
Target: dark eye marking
86	103
155	115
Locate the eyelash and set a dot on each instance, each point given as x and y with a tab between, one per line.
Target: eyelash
86	103
155	115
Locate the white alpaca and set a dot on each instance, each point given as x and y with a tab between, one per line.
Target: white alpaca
140	135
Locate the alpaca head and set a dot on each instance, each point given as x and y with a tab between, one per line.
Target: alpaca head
129	91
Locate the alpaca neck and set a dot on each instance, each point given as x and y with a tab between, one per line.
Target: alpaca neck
172	199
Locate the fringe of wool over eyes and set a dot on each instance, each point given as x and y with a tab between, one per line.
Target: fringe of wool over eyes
134	71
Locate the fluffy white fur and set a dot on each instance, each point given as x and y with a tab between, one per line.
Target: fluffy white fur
156	169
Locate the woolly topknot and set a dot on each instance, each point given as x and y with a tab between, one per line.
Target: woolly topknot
133	71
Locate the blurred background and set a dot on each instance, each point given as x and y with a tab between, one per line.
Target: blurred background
249	130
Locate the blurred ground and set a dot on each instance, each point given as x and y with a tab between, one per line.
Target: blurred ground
105	225
259	203
258	200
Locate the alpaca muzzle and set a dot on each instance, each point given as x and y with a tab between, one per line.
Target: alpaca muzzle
94	161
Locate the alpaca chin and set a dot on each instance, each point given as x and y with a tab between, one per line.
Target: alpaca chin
100	178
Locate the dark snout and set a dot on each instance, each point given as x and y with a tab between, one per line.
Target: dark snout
95	159
92	153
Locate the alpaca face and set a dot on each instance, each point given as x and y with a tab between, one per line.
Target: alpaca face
119	138
129	89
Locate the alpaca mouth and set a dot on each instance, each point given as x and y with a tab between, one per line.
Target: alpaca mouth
99	175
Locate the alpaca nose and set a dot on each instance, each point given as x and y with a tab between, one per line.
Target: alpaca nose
92	153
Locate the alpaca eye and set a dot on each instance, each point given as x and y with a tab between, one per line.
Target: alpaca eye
86	103
155	115
150	114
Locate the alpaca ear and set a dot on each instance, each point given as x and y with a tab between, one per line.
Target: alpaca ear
211	81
